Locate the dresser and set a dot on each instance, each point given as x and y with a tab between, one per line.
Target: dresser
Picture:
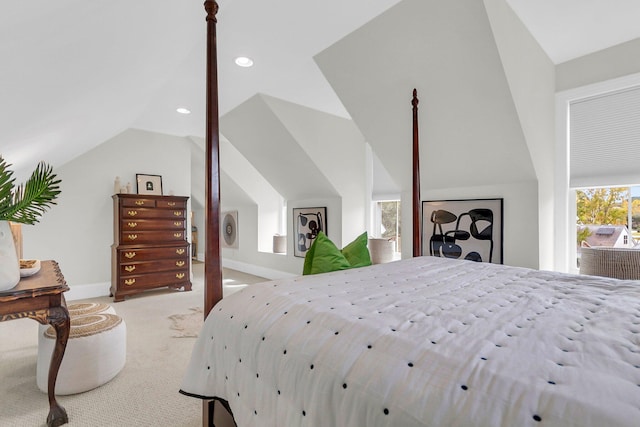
150	248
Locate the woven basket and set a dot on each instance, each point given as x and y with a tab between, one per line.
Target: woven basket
619	263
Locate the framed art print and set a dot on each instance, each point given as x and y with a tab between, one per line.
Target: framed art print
229	230
463	229
149	184
307	222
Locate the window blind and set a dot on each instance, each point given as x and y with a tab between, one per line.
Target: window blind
604	135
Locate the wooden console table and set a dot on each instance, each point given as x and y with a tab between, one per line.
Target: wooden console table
40	297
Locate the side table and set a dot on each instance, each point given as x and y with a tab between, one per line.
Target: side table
40	297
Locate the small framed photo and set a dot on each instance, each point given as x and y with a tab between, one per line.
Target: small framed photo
464	229
149	184
307	222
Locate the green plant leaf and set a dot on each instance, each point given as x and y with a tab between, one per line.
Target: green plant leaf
29	201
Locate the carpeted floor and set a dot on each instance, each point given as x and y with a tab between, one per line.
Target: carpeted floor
145	392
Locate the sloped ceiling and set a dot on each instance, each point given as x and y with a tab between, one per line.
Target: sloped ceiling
335	144
262	138
447	51
75	73
567	29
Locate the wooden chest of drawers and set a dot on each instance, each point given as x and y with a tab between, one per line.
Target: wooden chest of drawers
150	248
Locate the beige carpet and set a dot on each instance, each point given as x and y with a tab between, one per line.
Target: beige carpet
145	392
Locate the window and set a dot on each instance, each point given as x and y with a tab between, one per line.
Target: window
598	138
606	216
387	221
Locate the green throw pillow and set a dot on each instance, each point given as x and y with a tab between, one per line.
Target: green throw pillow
357	252
324	256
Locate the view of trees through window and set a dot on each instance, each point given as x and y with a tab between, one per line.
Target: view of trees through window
613	211
390	221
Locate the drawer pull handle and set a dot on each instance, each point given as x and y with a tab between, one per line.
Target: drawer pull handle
132	213
139	202
177	213
130	268
179	275
177	235
179	263
129	282
178	223
129	254
132	224
180	251
132	236
172	204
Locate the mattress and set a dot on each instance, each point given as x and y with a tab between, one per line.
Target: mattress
425	342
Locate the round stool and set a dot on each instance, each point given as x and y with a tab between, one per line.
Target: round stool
81	309
95	353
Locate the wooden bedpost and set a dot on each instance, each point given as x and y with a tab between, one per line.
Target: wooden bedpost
212	267
212	257
417	220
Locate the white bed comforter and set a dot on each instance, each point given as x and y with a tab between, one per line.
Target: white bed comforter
425	342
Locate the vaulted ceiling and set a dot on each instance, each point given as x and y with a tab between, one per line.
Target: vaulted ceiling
74	73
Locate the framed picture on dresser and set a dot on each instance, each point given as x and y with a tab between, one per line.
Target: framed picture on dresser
149	184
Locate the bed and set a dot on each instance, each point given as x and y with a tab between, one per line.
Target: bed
425	341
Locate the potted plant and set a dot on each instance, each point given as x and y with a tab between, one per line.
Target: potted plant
24	204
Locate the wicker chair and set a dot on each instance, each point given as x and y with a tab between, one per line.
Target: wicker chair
619	263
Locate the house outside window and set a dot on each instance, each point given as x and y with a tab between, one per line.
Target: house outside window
607	217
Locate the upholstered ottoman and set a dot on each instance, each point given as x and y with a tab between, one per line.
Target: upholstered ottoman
95	354
81	309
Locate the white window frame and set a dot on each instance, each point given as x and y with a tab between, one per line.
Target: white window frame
565	198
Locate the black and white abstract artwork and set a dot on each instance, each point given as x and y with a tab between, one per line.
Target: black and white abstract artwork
307	222
463	229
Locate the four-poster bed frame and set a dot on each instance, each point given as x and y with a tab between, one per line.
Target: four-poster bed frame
422	341
213	256
213	268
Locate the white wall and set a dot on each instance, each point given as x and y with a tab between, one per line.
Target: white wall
472	141
247	258
531	77
338	149
612	63
520	217
78	232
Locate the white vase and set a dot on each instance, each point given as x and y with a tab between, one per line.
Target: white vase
9	264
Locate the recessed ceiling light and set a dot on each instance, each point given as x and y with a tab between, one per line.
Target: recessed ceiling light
183	110
243	61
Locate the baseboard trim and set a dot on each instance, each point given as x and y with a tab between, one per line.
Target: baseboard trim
91	290
256	270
